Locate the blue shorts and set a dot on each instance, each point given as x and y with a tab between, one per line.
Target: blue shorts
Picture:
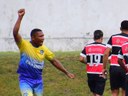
29	87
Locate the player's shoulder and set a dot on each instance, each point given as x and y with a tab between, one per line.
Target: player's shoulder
96	44
103	44
89	44
24	42
120	34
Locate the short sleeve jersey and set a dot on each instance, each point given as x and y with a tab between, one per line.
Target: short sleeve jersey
32	59
115	42
94	54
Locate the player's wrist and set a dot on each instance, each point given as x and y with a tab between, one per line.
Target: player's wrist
66	72
104	71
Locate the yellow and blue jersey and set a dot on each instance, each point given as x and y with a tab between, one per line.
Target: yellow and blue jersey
32	59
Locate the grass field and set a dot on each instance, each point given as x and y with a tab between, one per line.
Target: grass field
55	82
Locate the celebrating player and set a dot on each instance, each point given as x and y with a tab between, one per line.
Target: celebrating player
32	55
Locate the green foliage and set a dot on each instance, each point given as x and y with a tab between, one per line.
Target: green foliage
56	83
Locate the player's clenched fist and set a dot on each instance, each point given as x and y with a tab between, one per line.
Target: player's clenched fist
21	12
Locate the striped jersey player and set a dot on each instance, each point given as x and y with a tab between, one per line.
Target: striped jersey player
92	56
117	74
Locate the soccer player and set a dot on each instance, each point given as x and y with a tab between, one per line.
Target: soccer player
92	55
117	74
123	61
32	55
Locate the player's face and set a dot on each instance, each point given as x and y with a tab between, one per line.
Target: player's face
38	38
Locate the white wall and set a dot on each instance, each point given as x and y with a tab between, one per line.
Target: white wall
68	23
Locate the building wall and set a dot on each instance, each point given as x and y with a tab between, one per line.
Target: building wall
67	24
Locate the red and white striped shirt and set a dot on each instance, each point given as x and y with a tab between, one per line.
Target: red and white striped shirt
94	54
115	42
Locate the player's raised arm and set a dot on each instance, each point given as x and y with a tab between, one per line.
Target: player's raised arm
16	35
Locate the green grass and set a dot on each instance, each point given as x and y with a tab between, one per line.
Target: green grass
55	82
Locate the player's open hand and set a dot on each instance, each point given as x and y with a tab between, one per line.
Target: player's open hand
21	12
70	75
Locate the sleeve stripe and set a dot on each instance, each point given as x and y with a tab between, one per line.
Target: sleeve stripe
83	55
120	56
108	45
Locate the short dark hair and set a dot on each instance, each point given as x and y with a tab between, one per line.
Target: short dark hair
124	25
98	34
34	31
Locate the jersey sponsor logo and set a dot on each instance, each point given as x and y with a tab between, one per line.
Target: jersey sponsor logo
35	64
95	49
118	40
32	62
41	52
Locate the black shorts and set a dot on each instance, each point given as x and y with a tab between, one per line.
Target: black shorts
96	83
126	85
117	77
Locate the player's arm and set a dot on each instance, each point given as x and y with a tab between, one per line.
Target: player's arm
82	59
121	63
105	59
59	66
120	60
16	34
